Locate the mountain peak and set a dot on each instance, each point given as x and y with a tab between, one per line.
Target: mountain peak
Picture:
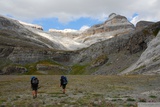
112	15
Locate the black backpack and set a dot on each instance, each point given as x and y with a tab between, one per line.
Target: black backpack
35	81
64	79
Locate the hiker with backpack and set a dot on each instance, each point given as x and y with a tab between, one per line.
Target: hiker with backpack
34	86
63	83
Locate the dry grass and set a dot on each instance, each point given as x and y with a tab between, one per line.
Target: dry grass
86	90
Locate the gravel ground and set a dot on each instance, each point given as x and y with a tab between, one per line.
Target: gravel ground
81	91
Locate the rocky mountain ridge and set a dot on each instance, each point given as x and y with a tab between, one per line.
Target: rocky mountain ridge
116	25
31	25
103	49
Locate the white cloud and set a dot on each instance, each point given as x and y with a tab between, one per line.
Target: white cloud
142	18
69	10
64	31
83	28
135	20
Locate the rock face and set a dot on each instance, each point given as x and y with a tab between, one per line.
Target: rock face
149	62
140	38
143	24
104	49
14	34
116	25
112	15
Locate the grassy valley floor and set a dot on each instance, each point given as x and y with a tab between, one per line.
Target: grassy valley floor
81	91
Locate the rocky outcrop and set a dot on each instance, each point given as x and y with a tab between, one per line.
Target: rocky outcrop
112	15
5	51
149	62
143	24
99	61
140	38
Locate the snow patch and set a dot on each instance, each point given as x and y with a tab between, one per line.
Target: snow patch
31	25
63	31
63	41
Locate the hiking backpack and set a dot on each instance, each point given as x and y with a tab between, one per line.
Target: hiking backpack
64	79
35	80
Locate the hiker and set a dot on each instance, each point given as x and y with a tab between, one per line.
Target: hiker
34	86
63	83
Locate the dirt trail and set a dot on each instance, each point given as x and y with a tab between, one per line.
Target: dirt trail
82	91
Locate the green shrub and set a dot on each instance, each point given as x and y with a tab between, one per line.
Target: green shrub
130	99
152	96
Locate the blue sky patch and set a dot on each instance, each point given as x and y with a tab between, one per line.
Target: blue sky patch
53	23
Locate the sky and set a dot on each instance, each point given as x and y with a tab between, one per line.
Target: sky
78	14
